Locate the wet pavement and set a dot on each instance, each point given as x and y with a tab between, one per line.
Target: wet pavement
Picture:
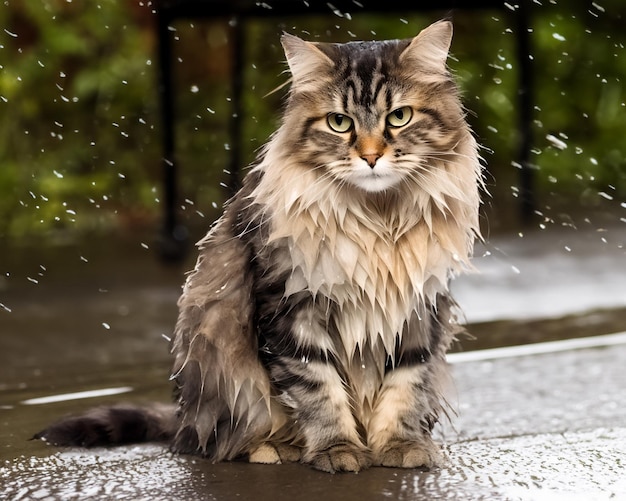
549	423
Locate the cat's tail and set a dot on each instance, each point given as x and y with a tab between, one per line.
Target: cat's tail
118	424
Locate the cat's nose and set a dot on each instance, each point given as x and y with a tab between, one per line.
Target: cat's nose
371	159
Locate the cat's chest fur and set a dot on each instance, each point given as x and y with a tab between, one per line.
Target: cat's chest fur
375	283
378	268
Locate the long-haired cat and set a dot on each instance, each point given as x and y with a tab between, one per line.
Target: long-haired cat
315	325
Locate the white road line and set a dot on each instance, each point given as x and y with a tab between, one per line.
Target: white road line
76	396
538	348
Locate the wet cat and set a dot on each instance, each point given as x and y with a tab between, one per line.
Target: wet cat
315	325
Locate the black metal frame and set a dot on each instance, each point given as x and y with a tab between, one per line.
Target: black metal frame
174	236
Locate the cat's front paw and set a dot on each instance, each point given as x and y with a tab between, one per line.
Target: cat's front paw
274	453
341	458
410	455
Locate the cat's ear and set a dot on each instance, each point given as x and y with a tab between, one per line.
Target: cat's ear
429	49
305	60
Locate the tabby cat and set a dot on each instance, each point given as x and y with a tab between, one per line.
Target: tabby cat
315	325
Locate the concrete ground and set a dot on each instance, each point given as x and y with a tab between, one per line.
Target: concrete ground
541	422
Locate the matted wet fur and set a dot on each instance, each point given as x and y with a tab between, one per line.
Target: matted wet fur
315	325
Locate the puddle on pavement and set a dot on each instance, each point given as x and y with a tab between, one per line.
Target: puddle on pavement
571	466
98	319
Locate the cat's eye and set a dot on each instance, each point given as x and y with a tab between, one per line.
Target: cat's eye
400	117
339	123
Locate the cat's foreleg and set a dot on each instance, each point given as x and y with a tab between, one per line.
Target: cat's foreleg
411	396
399	431
303	369
322	409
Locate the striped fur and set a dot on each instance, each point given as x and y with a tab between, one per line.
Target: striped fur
316	322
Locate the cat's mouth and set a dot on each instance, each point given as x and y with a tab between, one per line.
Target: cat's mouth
375	179
376	182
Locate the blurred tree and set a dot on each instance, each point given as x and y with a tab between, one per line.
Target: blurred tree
76	126
79	141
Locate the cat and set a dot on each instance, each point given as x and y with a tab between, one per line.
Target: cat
315	325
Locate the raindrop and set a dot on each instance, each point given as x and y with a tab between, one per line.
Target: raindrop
558	37
556	142
598	7
335	10
106	326
195	89
5	308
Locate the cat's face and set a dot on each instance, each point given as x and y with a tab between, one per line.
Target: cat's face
372	114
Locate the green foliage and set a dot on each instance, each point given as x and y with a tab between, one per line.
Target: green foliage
76	114
79	126
581	100
579	63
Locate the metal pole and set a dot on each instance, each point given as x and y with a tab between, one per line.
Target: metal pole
237	78
525	116
173	238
